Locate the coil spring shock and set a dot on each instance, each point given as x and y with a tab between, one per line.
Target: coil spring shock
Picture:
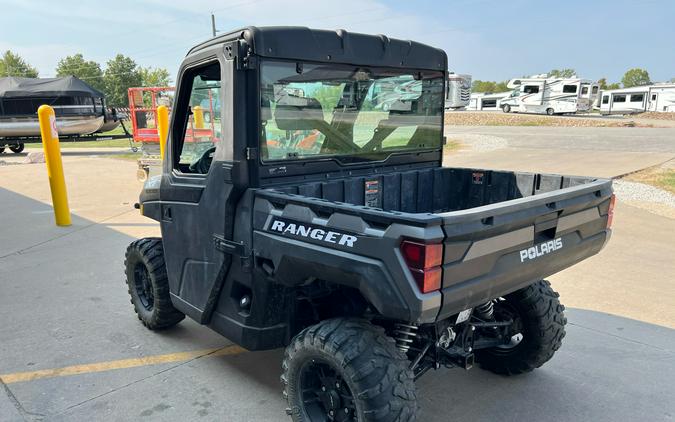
404	335
485	311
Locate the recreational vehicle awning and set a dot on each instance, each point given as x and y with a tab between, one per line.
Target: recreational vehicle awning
15	87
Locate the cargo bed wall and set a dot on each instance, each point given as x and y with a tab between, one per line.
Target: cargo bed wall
434	190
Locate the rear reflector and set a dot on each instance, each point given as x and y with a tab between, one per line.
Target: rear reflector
421	256
427	280
424	262
610	211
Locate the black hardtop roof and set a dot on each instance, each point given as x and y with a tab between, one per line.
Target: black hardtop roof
16	87
338	46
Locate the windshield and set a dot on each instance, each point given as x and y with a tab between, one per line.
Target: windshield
356	113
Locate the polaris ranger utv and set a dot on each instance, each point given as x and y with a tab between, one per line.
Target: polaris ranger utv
317	216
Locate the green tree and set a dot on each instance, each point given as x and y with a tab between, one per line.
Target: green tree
12	64
672	80
87	70
154	76
488	86
635	77
604	85
121	73
562	73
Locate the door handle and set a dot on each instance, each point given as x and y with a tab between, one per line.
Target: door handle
166	213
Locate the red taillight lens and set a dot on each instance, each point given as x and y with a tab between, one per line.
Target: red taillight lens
421	256
427	280
610	211
424	262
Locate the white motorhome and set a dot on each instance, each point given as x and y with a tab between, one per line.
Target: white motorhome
541	94
487	101
638	99
458	91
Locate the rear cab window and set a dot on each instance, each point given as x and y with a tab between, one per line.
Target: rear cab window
349	113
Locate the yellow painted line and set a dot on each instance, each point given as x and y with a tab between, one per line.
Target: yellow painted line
118	364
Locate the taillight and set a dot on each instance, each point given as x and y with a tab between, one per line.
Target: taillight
424	262
610	211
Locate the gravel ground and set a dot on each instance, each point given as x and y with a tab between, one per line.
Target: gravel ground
477	142
486	118
656	116
647	197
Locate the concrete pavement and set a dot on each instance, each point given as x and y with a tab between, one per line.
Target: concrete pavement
63	303
600	152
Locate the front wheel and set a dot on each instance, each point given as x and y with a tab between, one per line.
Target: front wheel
538	329
506	108
148	284
550	111
347	370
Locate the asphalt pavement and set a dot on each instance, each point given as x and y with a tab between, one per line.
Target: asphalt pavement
71	347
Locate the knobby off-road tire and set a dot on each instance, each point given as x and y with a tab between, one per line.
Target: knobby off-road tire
148	284
352	352
540	316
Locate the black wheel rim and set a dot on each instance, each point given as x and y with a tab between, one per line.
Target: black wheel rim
324	393
144	287
504	311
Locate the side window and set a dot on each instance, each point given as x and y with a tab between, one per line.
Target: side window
605	99
570	89
584	90
637	98
653	97
531	89
202	125
619	98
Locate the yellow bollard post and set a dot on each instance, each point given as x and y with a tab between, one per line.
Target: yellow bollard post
57	183
198	114
162	128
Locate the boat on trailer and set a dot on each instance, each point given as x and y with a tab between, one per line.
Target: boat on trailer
79	108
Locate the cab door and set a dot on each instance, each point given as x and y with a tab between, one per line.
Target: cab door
195	192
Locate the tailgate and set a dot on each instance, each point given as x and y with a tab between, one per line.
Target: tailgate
492	250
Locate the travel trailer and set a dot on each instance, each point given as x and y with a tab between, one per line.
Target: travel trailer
658	97
487	100
541	94
458	91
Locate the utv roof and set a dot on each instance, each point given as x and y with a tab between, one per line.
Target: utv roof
338	46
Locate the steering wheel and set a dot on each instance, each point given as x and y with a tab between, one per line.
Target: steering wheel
203	164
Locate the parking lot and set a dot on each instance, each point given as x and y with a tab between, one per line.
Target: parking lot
71	347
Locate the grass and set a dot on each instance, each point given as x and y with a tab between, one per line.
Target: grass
660	177
126	157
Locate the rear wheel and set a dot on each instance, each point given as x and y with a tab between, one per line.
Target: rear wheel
550	111
506	108
148	284
18	148
2	149
347	370
538	329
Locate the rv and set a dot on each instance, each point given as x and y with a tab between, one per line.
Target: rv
638	99
541	94
487	100
458	91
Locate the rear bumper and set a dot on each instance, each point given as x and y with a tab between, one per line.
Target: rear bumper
505	273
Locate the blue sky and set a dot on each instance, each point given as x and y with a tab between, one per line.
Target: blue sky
493	40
